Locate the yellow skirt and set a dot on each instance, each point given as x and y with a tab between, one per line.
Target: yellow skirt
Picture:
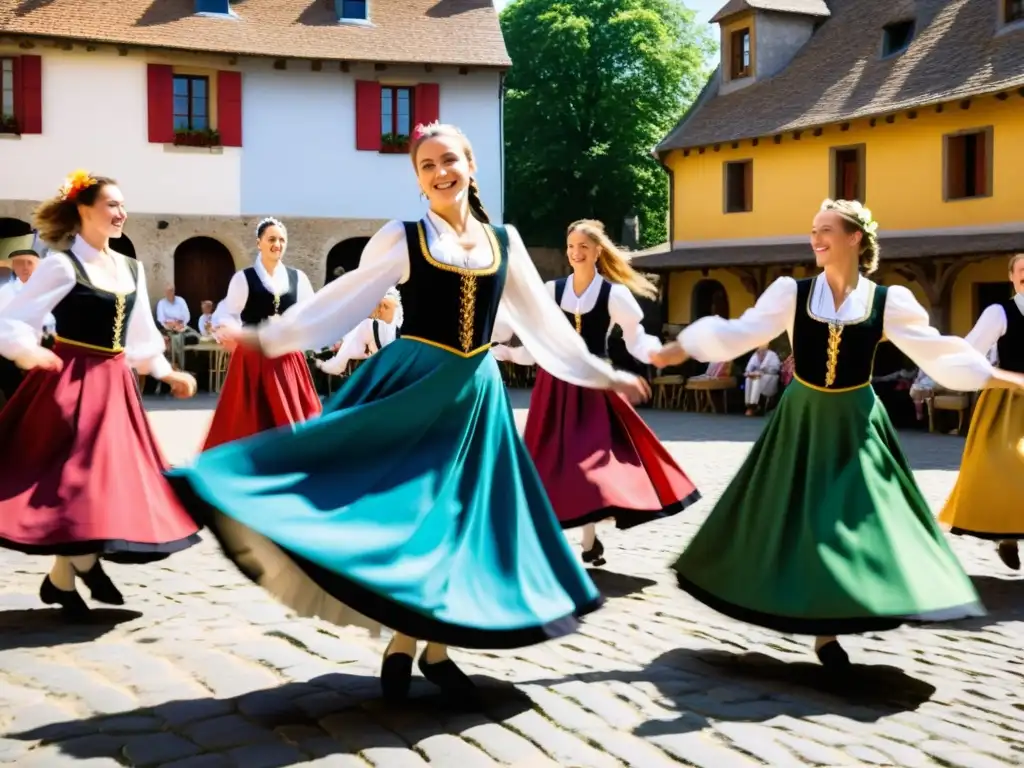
988	499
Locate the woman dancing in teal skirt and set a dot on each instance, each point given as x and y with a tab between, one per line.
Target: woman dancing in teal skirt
824	531
412	502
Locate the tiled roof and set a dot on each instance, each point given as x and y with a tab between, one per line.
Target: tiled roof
894	248
957	52
453	32
806	7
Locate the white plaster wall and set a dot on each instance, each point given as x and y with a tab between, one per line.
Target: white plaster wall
95	117
300	155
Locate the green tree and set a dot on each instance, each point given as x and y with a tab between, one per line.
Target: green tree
594	86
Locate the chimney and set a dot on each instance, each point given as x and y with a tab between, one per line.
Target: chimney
214	7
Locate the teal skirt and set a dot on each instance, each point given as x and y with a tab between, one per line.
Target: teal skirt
410	503
824	531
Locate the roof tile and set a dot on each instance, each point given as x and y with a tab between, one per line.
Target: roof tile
453	32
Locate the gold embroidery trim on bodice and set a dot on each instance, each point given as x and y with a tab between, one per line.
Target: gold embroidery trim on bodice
119	318
579	322
835	337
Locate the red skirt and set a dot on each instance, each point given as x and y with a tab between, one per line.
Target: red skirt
261	393
81	471
598	459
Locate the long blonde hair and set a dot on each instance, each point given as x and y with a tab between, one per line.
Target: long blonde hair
1014	259
612	262
423	132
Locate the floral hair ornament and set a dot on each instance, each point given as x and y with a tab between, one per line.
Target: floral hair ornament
75	183
420	131
854	211
270	221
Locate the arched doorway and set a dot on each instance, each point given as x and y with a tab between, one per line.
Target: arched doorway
14	228
202	270
709	298
123	246
344	257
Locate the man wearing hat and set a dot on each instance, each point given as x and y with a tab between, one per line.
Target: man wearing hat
23	262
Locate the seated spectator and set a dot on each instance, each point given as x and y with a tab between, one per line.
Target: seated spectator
761	378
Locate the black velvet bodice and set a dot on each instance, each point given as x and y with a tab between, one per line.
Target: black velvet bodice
1011	343
448	306
91	317
835	355
262	303
593	325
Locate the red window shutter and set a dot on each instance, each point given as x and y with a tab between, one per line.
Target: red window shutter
981	164
229	108
368	127
160	95
28	108
426	104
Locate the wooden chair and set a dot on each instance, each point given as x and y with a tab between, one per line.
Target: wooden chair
953	401
703	390
218	370
668	391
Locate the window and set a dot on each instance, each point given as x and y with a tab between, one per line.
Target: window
6	89
896	37
354	9
968	165
848	173
396	112
739	45
739	186
1013	10
191	103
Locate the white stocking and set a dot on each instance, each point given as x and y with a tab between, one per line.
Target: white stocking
589	536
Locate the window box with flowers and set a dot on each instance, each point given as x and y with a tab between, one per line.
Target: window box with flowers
193	138
9	125
394	144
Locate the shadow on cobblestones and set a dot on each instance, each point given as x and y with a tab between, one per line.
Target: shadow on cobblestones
335	714
1002	598
44	628
612	584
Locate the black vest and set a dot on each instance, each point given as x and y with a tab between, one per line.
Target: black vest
447	306
92	317
832	355
1011	343
261	303
593	325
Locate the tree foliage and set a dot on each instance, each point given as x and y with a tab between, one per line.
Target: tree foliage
594	86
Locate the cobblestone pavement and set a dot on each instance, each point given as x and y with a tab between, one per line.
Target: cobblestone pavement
210	672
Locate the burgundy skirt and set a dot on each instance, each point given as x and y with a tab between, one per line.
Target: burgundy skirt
81	471
261	393
598	459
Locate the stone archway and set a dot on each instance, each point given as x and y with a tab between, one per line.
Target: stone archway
124	246
344	257
203	267
709	298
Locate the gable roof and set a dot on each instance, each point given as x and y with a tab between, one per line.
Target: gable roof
805	7
957	52
453	32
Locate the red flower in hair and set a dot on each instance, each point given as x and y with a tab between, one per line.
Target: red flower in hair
75	183
419	131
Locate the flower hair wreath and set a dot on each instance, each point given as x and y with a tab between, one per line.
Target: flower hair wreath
270	221
855	212
75	183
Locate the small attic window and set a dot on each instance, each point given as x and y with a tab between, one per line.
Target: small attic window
897	36
354	10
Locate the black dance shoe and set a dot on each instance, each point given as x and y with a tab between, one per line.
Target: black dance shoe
71	603
595	555
833	657
395	676
1009	554
100	586
449	678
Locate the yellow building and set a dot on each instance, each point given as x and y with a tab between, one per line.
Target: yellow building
915	108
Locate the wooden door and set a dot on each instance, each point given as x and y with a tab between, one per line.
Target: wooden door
203	267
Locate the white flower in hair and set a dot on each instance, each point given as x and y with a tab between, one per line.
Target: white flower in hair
270	221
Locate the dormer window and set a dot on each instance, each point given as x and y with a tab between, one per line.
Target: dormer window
739	46
1013	11
354	10
896	37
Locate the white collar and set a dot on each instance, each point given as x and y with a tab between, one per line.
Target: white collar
595	284
1018	299
83	250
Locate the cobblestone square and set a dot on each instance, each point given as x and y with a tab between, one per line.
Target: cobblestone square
203	670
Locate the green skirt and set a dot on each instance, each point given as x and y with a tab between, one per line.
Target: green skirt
824	531
410	503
